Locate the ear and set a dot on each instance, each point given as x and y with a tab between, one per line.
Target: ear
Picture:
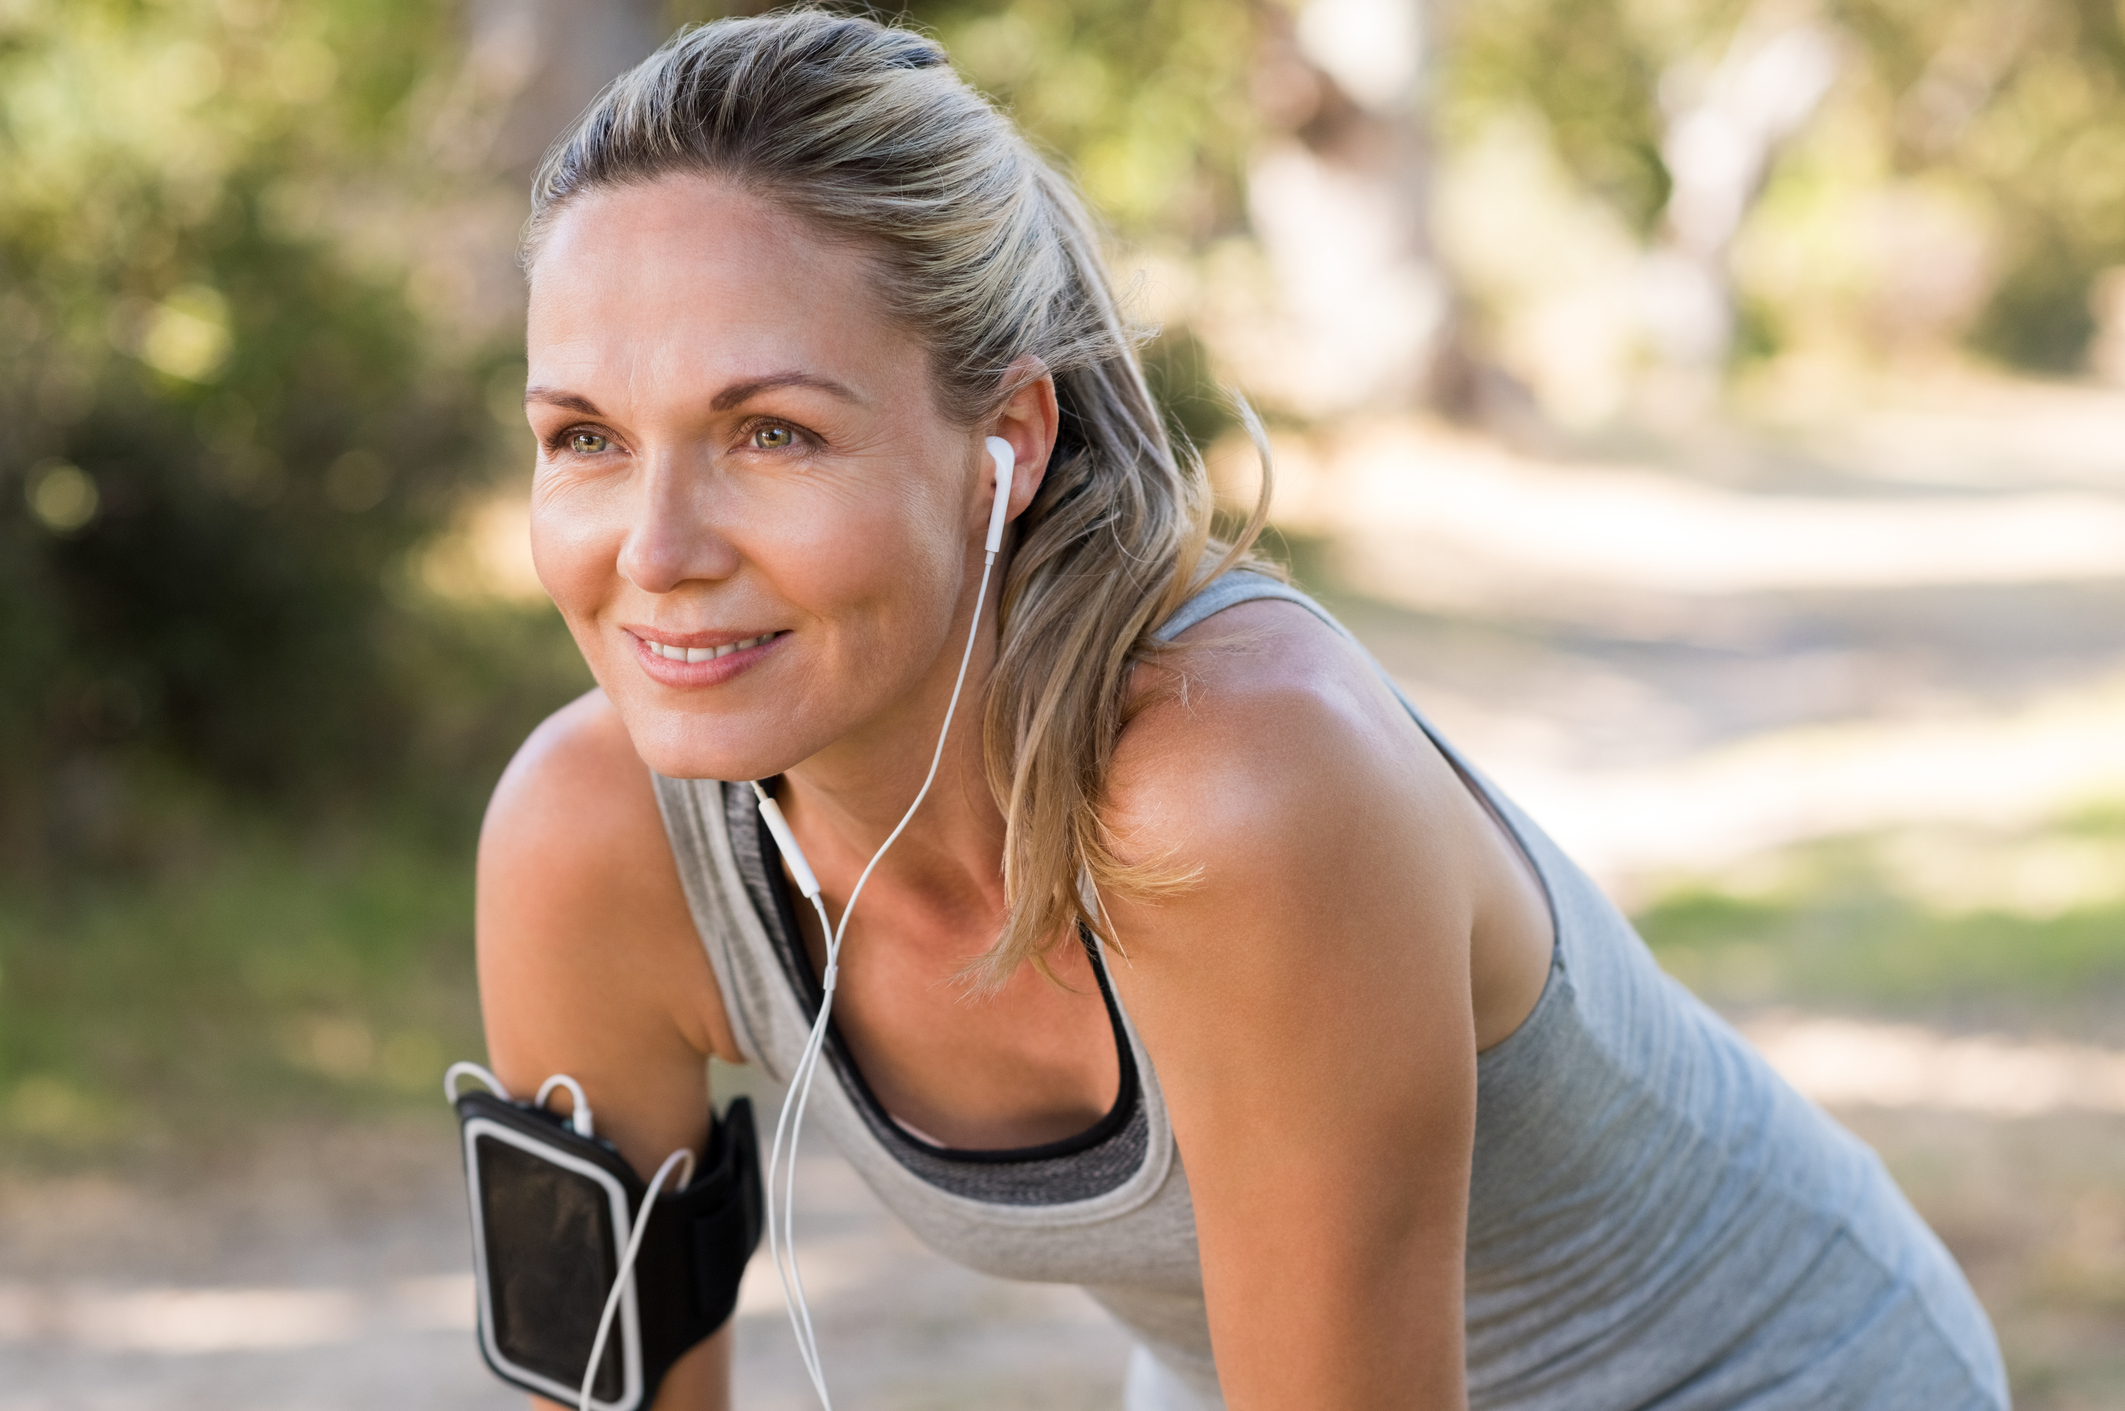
1028	419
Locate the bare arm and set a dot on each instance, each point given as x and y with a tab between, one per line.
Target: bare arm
1307	1004
589	964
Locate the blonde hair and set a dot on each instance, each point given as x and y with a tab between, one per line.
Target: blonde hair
988	256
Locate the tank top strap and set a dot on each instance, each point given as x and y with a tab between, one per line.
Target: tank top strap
1242	586
1230	589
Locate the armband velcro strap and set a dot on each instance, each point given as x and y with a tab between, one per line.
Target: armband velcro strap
551	1213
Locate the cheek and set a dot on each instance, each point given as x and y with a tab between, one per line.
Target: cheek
885	567
574	549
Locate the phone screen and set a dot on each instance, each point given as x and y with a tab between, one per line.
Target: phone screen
550	1265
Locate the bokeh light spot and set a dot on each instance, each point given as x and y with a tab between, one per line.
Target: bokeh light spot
62	497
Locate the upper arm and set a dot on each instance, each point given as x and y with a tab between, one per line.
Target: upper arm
589	963
1306	1003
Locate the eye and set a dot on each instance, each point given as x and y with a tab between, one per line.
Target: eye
774	438
588	443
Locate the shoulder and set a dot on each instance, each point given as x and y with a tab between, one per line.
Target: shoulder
575	804
578	757
577	883
1269	740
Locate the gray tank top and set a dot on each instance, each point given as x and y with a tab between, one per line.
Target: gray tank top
1655	1218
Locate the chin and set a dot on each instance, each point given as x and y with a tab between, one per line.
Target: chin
686	745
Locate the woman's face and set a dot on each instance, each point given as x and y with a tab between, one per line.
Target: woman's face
748	507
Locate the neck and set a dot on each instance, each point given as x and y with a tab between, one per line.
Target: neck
845	801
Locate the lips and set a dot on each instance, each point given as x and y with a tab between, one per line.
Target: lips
700	659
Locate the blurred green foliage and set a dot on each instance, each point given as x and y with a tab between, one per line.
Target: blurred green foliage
1148	106
237	422
242	745
1145	102
1591	69
232	424
242	739
267	980
238	419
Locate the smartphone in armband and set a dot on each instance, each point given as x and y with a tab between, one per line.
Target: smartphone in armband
552	1211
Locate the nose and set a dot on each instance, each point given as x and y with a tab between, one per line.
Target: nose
672	538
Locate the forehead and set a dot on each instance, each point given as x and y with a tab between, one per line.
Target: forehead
665	283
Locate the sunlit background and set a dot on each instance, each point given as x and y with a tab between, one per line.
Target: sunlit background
1712	411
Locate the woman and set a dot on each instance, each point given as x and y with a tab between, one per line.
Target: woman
1223	898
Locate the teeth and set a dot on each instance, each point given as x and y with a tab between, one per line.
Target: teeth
692	654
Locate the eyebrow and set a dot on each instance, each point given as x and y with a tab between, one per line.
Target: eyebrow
734	395
555	397
739	392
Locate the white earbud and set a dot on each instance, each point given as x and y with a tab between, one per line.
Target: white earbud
1000	451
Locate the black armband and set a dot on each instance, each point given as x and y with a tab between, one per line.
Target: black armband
551	1213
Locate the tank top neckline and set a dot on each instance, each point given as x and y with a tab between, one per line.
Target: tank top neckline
796	961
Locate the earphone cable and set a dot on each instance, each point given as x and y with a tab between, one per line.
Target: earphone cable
782	1237
682	1158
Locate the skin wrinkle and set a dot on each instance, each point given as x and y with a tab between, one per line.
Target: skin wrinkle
642	373
557	398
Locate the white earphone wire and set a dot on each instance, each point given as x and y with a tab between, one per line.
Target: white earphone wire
682	1158
782	1236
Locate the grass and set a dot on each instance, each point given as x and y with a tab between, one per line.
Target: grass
267	977
252	981
185	967
2029	924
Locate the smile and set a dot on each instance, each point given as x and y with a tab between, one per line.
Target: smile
671	653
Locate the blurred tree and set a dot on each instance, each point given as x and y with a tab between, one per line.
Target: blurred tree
257	332
1340	192
2014	109
232	416
1147	102
2027	102
1592	69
